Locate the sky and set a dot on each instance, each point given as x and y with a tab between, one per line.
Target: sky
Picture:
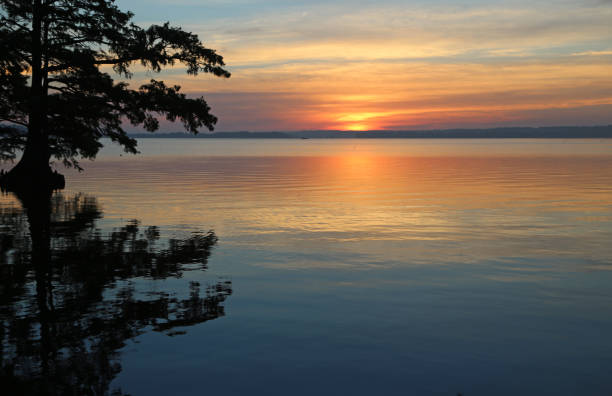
389	64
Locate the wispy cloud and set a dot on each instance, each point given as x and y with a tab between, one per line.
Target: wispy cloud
593	53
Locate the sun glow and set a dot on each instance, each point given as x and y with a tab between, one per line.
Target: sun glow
360	116
359	121
356	127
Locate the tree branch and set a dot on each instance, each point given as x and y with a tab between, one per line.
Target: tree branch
65	66
25	124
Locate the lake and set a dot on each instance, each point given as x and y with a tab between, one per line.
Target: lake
302	267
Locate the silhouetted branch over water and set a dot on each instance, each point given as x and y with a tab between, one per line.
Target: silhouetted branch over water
51	83
70	295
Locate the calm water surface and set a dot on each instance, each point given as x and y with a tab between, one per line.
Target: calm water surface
303	267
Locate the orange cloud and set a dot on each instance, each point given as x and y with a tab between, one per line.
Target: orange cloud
427	66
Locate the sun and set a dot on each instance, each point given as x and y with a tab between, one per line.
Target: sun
356	127
359	121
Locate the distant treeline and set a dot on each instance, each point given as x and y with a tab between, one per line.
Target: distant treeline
497	133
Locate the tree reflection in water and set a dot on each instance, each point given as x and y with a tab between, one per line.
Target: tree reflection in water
71	295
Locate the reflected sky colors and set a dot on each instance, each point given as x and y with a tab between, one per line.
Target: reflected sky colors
438	201
375	267
362	65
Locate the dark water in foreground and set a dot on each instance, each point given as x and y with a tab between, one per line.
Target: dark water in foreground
387	267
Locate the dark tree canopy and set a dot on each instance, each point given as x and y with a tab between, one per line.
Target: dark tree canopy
55	63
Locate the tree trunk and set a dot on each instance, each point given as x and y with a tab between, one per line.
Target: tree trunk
33	170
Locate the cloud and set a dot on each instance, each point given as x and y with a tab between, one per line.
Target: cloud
315	64
389	31
593	53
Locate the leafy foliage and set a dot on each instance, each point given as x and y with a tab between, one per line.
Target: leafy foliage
55	63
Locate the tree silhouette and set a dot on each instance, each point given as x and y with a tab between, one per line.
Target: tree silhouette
70	298
54	83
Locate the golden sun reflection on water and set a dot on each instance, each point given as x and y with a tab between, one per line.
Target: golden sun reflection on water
405	254
382	209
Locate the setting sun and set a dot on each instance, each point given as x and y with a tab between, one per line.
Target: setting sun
357	127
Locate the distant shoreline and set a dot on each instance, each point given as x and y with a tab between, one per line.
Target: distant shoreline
593	132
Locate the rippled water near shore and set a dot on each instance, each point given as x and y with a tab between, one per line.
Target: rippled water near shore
347	266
